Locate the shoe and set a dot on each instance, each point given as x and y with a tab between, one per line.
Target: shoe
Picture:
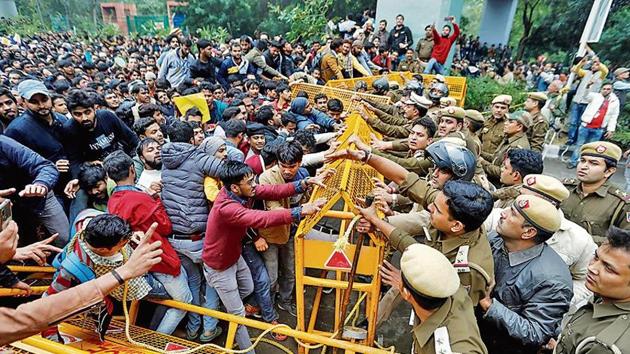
209	336
277	336
191	336
252	311
288	307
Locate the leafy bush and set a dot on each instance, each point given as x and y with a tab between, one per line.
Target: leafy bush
307	20
622	133
481	91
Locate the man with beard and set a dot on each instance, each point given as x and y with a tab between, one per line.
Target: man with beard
492	132
175	66
235	65
441	47
149	152
8	108
93	180
92	135
39	128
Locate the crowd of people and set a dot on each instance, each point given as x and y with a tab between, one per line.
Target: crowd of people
110	182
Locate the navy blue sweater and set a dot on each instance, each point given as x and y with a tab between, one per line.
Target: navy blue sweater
108	135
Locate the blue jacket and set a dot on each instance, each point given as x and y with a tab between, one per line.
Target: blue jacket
533	291
314	117
36	134
184	168
20	166
229	67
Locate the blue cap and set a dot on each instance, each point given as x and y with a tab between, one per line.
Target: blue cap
28	88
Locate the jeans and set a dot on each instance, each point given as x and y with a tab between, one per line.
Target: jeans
177	288
585	136
189	253
575	115
434	65
280	264
233	284
55	220
262	283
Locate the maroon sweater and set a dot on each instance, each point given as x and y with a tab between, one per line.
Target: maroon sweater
231	216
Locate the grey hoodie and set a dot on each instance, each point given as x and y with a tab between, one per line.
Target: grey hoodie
184	168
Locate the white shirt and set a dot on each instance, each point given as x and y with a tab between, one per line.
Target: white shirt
147	177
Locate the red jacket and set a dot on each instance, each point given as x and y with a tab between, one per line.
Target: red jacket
230	217
442	45
141	210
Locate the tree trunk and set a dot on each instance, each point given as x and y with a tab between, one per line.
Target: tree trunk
528	16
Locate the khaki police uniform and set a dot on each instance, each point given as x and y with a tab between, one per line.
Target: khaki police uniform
504	197
605	207
539	126
452	327
415	162
469	248
597	328
492	131
492	162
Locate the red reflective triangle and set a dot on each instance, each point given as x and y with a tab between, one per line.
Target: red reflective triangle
174	347
338	260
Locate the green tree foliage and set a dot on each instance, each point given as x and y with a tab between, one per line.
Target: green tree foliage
481	91
557	26
306	20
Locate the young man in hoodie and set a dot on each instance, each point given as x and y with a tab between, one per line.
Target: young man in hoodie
310	118
184	168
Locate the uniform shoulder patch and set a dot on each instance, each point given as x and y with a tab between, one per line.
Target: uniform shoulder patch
618	193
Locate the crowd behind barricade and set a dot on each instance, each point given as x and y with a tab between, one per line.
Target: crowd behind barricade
110	181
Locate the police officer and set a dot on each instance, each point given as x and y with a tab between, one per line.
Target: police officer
436	92
572	243
413	107
473	123
517	164
536	133
420	136
594	202
514	136
445	321
533	285
457	212
492	132
603	325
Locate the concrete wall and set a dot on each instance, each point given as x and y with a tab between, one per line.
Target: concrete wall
8	9
418	14
496	21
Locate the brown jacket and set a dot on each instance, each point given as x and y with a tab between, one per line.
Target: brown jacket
278	234
330	68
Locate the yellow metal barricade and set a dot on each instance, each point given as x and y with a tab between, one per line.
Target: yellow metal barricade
456	84
345	96
401	77
351	182
39	280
